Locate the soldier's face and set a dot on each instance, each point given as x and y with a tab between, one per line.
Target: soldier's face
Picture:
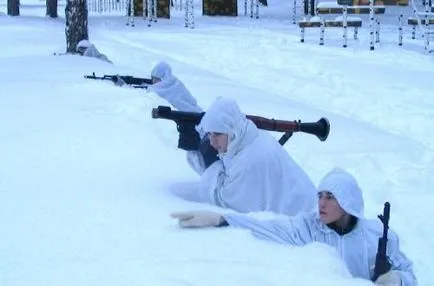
81	50
328	207
155	80
219	141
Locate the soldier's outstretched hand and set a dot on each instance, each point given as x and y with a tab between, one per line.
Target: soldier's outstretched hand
197	219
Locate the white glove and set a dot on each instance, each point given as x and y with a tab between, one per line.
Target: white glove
391	278
198	218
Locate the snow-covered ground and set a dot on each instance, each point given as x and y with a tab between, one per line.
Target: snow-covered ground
86	173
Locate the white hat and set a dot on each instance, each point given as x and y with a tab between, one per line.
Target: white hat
83	44
162	70
345	189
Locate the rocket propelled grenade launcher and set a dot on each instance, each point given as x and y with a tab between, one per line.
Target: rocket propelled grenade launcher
320	129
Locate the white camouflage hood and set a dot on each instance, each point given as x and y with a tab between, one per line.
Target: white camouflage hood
162	71
172	89
346	191
83	44
225	116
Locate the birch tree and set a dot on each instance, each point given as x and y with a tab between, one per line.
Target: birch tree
76	24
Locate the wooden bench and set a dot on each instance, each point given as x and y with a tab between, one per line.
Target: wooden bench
330	24
316	22
327	8
413	22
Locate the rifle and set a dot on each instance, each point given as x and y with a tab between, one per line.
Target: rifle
135	82
321	128
382	264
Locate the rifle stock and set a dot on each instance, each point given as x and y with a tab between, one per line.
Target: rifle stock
165	112
321	128
382	264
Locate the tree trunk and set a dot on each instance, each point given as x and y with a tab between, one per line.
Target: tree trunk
13	7
220	8
76	24
51	8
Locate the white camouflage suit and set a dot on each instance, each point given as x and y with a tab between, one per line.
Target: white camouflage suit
172	89
357	248
89	50
255	174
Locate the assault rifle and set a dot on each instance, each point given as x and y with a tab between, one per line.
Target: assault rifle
382	264
135	82
320	129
